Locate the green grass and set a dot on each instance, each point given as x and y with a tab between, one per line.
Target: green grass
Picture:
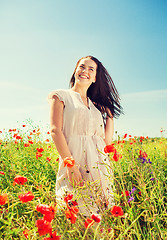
144	217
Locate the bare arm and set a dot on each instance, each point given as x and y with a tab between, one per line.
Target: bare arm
56	125
109	130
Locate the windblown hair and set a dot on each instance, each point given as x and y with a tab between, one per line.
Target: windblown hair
103	92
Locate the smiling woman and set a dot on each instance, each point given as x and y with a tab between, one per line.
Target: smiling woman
81	120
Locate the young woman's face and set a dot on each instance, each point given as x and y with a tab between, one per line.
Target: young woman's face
86	72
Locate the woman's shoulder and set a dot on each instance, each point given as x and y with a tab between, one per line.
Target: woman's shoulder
62	94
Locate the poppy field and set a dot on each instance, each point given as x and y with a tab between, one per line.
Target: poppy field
28	208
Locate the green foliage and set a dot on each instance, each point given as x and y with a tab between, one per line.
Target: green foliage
145	215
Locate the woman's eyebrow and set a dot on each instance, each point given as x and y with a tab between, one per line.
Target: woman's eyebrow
88	66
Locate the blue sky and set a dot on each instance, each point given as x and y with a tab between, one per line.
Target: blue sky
41	41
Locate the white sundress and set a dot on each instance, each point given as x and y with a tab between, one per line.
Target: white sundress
83	128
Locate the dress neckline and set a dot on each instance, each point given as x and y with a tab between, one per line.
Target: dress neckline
88	107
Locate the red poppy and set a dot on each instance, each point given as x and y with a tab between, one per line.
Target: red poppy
25	233
53	236
109	148
26	197
3	198
96	218
73	209
31	142
68	197
38	155
71	216
125	136
44	227
20	180
18	137
116	156
116	211
126	193
89	222
40	150
49	216
139	193
42	208
69	162
2	173
24	125
47	140
48	159
26	144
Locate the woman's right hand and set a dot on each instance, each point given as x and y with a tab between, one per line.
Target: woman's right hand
74	176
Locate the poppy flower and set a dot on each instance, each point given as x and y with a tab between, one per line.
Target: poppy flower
38	155
125	136
71	216
43	226
25	233
23	125
53	236
48	159
31	142
20	180
68	197
26	197
3	199
96	218
139	193
49	216
2	173
109	148
69	162
26	144
89	222
126	193
40	150
116	156
73	209
42	208
116	211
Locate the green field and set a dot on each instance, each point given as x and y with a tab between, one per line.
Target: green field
141	171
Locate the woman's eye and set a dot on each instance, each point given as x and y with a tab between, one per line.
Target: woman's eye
91	69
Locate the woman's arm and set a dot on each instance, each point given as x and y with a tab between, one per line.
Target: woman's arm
109	129
56	127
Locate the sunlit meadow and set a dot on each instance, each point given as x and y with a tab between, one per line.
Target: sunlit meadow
28	209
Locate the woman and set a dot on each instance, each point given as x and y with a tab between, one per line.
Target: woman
81	120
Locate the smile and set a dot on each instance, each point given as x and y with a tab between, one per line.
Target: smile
83	76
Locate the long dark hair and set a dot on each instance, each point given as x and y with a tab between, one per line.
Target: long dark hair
103	92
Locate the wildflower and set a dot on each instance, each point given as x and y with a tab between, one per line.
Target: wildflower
2	173
23	125
116	156
26	197
139	193
126	193
69	162
40	150
68	197
152	179
31	142
18	137
49	216
125	136
26	145
43	226
25	233
71	216
89	222
109	148
20	180
42	208
3	199
47	140
38	155
116	211
48	159
130	199
96	218
53	236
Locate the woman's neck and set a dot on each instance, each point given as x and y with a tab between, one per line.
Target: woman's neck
81	91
